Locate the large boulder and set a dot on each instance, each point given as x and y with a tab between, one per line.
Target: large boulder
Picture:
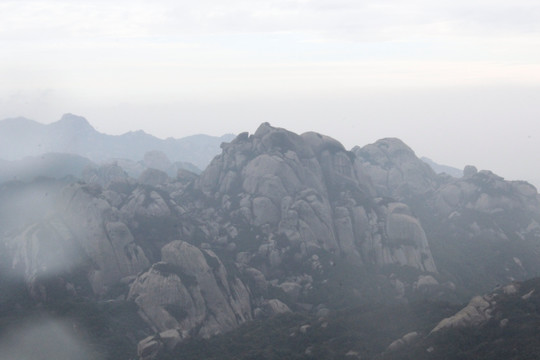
85	233
190	291
395	169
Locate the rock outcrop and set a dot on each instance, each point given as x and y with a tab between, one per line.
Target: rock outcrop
85	232
395	169
316	194
186	293
477	312
493	223
104	175
490	225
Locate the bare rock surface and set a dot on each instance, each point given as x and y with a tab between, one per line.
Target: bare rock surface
395	169
317	195
86	233
186	293
477	312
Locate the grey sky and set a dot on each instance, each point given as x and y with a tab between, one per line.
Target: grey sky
459	81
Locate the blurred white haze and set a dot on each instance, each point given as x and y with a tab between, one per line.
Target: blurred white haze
458	81
46	339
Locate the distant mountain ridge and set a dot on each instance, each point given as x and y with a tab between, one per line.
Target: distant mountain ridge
72	134
439	168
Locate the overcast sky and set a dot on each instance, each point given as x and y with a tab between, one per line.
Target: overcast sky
459	81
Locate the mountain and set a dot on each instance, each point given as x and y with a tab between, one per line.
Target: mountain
20	137
280	229
482	229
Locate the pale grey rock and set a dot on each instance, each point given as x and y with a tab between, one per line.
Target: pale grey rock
275	306
190	291
469	171
394	169
425	281
307	194
320	143
264	211
322	312
44	250
292	289
185	176
395	345
149	348
160	289
142	202
152	347
525	189
406	339
477	312
528	295
346	234
510	289
104	175
115	199
408	237
258	278
171	338
410	337
153	177
304	328
105	240
84	233
488	194
157	160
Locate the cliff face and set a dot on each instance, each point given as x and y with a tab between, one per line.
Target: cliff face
184	292
85	233
316	194
482	229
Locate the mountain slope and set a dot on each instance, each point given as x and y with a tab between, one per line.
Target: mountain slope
277	224
73	134
482	229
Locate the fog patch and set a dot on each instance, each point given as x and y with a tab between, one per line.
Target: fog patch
47	339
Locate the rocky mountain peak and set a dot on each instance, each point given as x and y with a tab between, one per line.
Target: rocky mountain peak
395	169
73	123
309	190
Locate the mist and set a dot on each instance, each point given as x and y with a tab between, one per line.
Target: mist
46	338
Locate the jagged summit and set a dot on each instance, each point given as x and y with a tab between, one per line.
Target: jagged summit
395	169
73	121
311	190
